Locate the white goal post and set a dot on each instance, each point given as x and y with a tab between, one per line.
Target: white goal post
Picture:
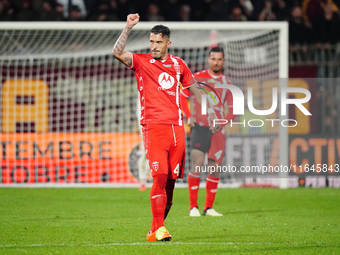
68	108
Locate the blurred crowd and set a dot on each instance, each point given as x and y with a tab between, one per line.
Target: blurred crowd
310	21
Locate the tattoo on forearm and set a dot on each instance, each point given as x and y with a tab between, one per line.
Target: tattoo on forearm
121	42
128	61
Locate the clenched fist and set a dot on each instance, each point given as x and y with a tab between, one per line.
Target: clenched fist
132	19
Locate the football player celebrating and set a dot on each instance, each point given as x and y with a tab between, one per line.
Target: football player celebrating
159	76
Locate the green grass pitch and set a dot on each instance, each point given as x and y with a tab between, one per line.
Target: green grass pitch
116	221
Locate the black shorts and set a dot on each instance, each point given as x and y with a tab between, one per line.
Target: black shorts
200	138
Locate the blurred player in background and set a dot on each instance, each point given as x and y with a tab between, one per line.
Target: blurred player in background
203	141
142	162
159	76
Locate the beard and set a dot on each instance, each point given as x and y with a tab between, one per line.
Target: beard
156	55
216	69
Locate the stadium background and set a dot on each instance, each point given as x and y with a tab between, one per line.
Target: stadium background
314	53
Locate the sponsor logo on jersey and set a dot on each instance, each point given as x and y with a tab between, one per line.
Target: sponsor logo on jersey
166	80
155	166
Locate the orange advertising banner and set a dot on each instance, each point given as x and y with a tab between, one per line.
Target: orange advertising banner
66	157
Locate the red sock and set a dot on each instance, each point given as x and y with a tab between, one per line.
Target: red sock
211	189
194	184
153	225
170	185
158	201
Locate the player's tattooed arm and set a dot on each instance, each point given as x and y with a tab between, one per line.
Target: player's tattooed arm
128	61
120	44
118	49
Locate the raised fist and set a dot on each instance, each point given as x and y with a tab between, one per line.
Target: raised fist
132	19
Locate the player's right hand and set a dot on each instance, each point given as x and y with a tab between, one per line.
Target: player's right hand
132	19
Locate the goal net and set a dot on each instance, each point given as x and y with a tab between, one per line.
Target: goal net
69	109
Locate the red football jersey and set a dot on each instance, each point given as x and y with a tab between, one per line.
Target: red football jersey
224	94
159	87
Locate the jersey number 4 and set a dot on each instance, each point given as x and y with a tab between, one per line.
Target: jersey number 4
218	154
176	170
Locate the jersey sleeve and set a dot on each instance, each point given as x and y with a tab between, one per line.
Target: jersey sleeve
185	93
187	78
135	61
184	97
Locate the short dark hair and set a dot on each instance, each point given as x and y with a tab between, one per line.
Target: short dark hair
216	49
160	29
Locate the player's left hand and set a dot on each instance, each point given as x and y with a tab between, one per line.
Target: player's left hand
214	127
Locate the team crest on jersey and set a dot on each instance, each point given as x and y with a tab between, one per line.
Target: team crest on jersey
166	80
155	166
152	61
